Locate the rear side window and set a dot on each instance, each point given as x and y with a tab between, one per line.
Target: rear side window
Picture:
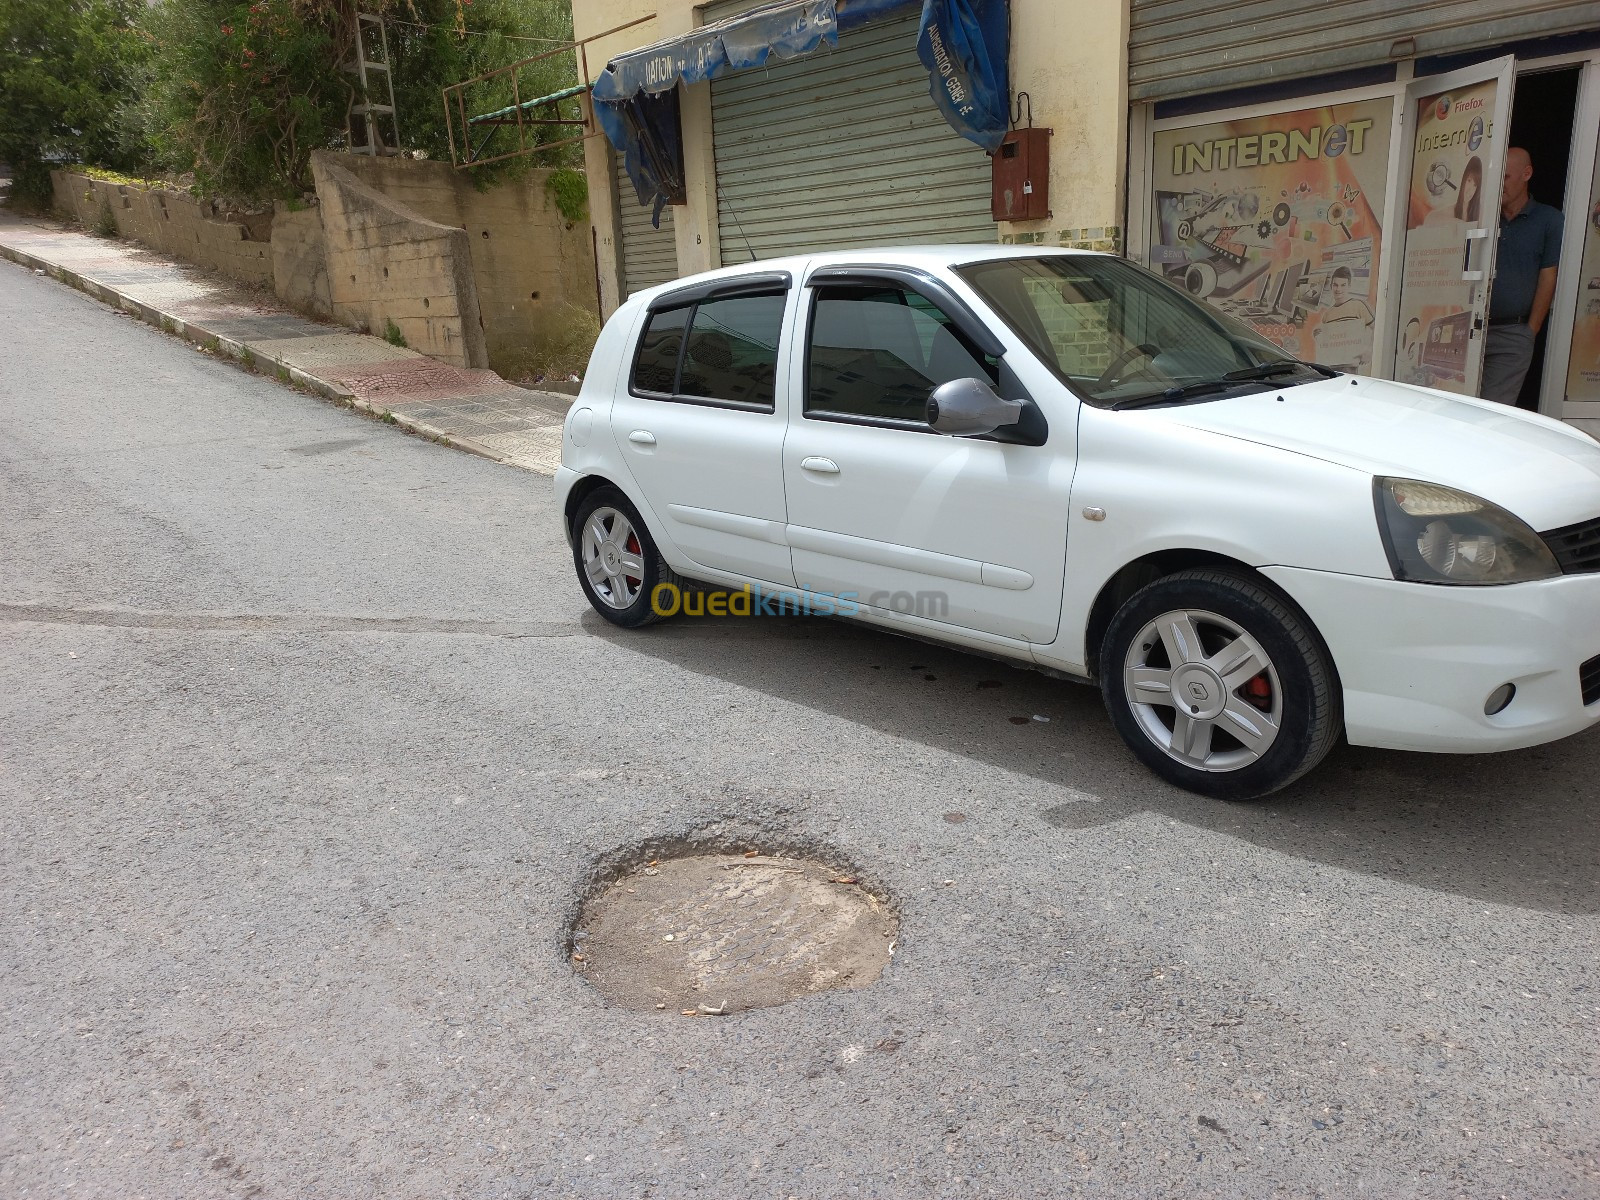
733	350
656	368
880	351
720	351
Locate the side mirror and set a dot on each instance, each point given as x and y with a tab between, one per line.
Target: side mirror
970	408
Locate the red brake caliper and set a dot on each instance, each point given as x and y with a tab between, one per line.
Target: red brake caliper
635	550
1259	690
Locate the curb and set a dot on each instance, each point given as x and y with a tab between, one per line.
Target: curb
248	359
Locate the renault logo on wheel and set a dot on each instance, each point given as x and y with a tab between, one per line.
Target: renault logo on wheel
1197	691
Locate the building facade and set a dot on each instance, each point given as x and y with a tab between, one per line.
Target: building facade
1325	170
1331	173
844	146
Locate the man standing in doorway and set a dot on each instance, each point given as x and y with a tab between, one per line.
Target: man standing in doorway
1524	280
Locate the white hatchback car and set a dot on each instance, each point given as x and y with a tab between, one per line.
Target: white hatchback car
1058	458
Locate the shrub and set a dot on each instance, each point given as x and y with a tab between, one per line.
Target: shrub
240	92
65	67
503	32
559	348
570	191
392	334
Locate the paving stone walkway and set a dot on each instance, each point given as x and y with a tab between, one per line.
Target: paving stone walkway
473	410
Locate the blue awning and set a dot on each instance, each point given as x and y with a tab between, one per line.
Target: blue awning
780	31
647	131
855	13
963	43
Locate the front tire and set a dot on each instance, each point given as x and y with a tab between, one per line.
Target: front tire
1219	686
619	566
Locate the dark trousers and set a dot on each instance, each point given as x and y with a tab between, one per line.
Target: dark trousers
1506	355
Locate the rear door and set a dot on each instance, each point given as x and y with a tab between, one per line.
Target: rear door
700	420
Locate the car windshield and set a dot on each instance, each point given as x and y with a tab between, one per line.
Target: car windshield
1121	336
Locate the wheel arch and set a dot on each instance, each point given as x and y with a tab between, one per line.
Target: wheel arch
1159	564
580	491
587	485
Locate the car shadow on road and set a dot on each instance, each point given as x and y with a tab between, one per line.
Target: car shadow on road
1515	828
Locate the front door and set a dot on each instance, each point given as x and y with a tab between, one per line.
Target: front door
967	532
1458	125
701	425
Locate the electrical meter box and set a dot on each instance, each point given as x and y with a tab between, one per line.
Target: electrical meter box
1021	171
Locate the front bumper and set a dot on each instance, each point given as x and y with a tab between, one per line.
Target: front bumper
1418	662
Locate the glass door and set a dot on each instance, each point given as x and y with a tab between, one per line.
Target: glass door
1457	126
1581	290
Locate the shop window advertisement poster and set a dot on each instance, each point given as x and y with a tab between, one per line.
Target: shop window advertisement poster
1278	221
1445	204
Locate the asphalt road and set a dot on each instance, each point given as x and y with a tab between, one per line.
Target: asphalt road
308	745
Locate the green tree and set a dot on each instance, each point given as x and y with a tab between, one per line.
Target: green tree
65	69
435	43
241	93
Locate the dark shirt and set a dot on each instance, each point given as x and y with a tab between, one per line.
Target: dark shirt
1529	242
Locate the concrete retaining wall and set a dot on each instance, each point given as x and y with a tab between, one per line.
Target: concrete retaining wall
529	261
474	278
388	263
300	260
173	223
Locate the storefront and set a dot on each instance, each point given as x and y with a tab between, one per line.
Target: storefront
1352	217
647	252
893	173
772	128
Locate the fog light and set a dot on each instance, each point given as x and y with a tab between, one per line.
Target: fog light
1499	698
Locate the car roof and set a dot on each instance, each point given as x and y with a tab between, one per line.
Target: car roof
909	256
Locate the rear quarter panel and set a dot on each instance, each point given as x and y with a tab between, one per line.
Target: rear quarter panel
588	445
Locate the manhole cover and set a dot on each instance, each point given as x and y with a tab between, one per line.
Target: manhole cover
713	934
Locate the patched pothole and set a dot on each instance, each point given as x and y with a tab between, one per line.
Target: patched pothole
714	934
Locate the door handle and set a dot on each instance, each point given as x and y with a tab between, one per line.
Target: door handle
642	437
821	466
1477	242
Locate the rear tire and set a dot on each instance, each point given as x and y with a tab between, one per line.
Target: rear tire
1219	686
618	564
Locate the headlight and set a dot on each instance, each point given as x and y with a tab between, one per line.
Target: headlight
1435	534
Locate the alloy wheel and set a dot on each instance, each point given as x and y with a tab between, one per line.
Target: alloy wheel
1203	690
612	557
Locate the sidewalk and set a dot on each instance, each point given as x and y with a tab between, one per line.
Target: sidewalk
473	410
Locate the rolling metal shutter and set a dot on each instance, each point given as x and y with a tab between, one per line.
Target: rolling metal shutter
843	148
649	255
1181	47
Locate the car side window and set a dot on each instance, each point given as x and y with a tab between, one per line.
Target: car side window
879	351
719	350
733	350
656	367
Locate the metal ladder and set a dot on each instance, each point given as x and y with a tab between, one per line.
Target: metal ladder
364	122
